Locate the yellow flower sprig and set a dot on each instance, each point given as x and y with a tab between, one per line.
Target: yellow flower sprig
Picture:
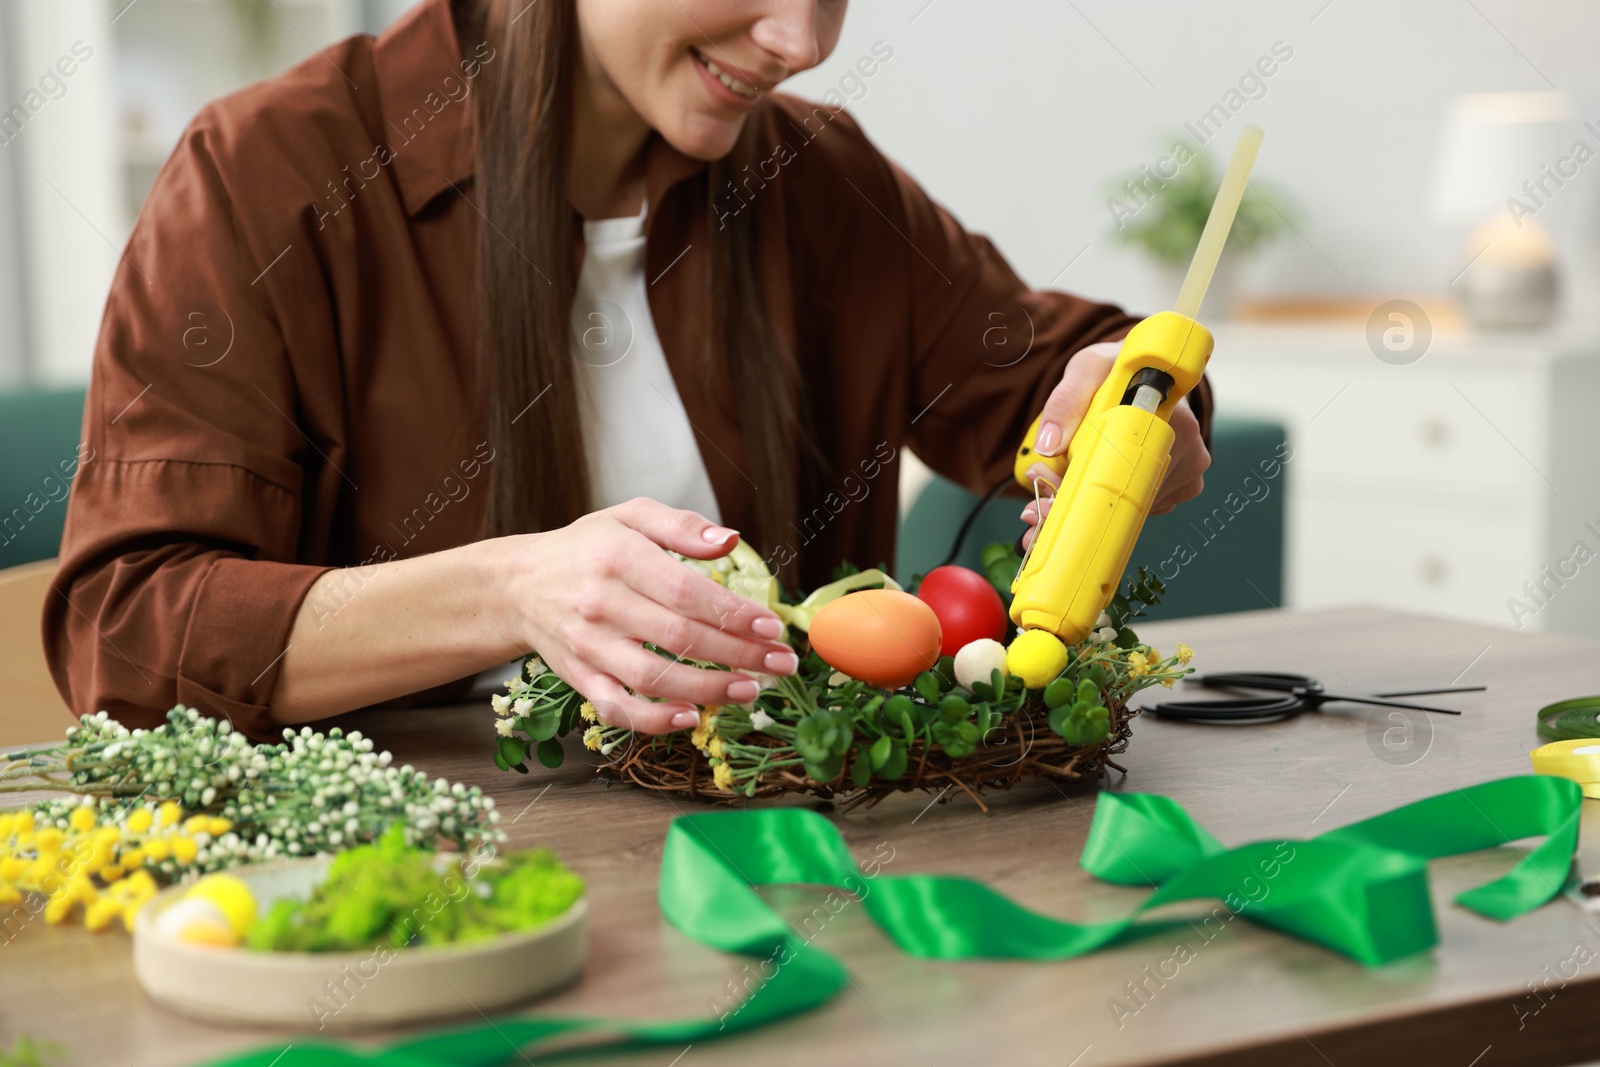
600	736
706	739
735	764
1147	665
104	862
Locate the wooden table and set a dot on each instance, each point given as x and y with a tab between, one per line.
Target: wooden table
1250	995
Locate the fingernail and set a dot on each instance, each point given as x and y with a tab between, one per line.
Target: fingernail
1049	439
743	691
781	662
768	627
1031	511
685	720
715	535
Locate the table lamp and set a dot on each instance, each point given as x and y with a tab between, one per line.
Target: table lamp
1494	171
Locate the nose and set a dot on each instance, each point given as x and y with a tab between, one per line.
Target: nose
789	32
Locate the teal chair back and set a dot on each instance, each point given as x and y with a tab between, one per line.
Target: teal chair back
39	434
1220	552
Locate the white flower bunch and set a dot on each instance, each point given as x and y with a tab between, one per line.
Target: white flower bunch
535	711
1103	633
314	793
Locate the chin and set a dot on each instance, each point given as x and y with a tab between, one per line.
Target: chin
702	138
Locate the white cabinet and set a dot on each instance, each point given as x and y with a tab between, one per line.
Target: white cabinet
1466	483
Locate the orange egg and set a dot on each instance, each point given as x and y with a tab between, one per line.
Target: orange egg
881	636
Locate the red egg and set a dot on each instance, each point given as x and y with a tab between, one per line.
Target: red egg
968	607
881	636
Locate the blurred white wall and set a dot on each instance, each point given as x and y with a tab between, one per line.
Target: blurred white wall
93	95
13	276
1014	113
58	125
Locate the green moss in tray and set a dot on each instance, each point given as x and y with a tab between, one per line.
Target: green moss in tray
389	894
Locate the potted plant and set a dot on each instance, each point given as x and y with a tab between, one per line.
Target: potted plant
1163	207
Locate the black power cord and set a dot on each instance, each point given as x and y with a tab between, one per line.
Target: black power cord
972	516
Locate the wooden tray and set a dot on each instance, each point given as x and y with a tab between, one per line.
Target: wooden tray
349	990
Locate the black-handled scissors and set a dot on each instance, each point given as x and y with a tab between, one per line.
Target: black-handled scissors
1300	693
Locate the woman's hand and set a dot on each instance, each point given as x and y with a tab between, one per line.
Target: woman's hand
591	593
1063	411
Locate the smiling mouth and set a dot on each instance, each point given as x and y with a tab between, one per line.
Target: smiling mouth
744	89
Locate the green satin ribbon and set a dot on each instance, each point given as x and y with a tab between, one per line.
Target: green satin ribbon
1361	890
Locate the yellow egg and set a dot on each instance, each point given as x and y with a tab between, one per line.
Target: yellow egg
881	636
230	896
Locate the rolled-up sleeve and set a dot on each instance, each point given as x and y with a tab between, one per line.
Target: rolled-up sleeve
180	573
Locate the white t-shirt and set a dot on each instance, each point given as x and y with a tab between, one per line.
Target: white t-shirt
637	435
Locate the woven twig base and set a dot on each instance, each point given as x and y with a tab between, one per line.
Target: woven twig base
1021	747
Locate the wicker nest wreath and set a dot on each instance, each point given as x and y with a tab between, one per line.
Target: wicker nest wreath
978	721
1023	747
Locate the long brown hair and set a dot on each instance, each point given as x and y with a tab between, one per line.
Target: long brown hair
527	284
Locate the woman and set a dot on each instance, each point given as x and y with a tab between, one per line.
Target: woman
422	352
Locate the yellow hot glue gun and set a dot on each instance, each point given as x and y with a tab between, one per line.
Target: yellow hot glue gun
1110	470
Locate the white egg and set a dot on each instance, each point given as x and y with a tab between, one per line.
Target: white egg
976	661
190	915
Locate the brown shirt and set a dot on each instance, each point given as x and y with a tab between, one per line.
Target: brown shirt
284	378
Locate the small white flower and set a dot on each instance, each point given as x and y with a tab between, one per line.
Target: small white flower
1107	633
760	720
502	727
536	667
501	704
1103	621
522	706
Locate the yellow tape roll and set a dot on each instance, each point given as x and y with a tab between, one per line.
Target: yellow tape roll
1577	759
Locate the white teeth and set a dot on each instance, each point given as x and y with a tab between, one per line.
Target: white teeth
742	88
